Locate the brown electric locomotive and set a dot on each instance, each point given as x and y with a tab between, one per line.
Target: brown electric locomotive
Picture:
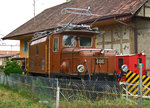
70	52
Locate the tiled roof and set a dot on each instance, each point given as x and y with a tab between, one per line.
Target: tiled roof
8	53
51	17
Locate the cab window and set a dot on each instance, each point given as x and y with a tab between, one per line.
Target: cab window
55	44
139	60
69	40
85	41
37	50
120	63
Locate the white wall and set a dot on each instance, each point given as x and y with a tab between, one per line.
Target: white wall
143	37
116	37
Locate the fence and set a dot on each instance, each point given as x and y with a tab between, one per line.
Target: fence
52	91
38	87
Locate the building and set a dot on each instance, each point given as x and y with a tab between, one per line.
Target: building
126	24
6	55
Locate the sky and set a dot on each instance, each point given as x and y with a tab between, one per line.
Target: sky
14	13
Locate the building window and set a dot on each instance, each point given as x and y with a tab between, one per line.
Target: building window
25	46
55	44
37	50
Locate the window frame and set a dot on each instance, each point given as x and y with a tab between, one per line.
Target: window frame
119	64
68	45
25	46
86	46
37	50
57	44
139	60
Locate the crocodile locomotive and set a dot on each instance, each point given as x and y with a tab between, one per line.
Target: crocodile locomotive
70	52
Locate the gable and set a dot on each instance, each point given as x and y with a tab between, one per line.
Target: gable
145	10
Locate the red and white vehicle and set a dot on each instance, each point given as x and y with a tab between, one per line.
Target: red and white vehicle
131	61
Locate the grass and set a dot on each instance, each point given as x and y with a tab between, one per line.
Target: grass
104	102
11	98
77	104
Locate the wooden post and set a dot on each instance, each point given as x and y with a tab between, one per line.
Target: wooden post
131	38
32	87
111	39
26	83
19	84
140	86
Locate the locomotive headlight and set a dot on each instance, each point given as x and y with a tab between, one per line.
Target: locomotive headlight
80	68
124	68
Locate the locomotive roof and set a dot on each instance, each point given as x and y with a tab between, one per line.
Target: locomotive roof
39	35
69	29
129	55
81	32
78	29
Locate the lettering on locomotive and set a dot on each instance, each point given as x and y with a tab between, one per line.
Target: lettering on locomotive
100	61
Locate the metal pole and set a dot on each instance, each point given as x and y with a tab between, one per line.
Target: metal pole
57	95
140	86
126	93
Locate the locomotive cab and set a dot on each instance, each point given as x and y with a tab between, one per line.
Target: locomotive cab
71	53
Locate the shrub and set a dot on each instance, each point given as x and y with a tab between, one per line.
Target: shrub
1	68
12	67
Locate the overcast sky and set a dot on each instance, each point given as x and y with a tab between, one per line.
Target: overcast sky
14	13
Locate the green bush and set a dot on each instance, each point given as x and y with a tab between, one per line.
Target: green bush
12	67
1	68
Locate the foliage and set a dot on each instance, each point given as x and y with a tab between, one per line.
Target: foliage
12	67
1	68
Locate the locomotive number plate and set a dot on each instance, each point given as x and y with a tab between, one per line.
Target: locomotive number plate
99	60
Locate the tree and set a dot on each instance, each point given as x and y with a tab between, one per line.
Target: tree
12	67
